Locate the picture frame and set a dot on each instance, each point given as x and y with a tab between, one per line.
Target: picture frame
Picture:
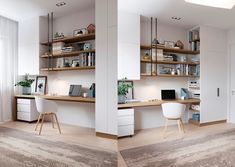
41	84
60	62
79	32
130	94
169	44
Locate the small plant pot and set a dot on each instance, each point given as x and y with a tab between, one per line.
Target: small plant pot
26	91
121	99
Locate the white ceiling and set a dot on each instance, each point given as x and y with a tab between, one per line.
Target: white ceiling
162	9
191	14
23	9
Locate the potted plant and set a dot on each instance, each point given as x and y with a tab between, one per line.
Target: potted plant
26	84
123	89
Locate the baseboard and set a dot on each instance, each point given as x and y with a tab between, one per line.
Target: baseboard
213	122
105	135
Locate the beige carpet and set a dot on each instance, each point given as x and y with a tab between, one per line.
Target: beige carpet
216	150
22	149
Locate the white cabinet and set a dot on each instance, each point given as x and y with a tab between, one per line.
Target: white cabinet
125	122
26	110
29	47
213	74
128	46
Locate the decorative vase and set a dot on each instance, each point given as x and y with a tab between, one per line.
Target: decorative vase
26	91
121	99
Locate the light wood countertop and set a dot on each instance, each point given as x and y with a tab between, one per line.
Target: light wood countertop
59	98
156	103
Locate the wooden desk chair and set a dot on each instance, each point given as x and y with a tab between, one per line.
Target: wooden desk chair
173	111
46	107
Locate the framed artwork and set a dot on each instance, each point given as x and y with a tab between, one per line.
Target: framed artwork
79	32
41	83
130	94
169	44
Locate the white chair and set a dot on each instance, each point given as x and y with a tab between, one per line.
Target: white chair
173	111
46	107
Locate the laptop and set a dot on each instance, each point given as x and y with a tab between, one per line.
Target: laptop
168	94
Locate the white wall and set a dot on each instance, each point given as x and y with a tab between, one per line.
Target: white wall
150	87
28	61
58	82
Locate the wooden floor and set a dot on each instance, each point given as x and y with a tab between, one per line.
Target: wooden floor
73	134
151	136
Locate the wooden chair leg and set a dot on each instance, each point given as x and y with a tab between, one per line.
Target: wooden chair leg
182	125
179	126
52	120
165	129
39	117
57	123
43	115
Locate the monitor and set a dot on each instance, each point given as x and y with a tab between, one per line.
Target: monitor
168	94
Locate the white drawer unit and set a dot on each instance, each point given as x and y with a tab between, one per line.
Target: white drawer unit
125	122
26	110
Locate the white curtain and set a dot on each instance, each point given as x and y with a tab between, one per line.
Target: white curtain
8	66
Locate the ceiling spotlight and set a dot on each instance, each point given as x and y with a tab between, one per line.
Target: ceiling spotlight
227	4
60	4
176	18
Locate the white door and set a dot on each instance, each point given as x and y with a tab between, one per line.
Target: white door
232	85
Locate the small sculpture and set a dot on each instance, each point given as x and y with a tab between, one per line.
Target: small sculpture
179	44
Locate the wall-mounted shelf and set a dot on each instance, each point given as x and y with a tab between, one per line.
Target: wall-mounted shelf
168	62
68	54
167	75
68	68
80	38
170	50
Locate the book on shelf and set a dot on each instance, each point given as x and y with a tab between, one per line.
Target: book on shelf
194	40
87	59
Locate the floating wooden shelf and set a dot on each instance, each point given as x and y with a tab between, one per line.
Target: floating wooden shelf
170	50
68	54
166	75
169	75
68	68
80	38
169	62
194	122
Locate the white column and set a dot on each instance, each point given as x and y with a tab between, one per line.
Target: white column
106	66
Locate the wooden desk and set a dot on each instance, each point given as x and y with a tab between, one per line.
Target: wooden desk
57	98
156	103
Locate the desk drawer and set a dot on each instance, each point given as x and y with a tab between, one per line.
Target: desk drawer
125	120
23	108
24	116
124	112
127	130
24	101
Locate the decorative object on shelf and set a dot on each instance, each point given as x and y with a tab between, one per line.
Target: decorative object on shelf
26	85
155	42
146	56
91	91
125	91
179	44
79	32
169	44
91	28
41	83
66	63
60	62
173	71
75	63
58	36
87	46
67	49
